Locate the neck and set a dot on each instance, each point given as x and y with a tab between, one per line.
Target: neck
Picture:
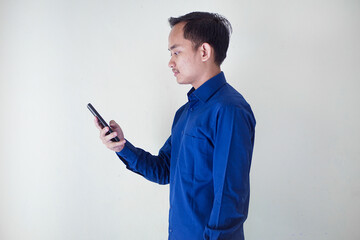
209	73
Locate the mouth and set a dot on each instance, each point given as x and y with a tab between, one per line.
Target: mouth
176	72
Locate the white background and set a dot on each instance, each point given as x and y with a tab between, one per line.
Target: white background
296	62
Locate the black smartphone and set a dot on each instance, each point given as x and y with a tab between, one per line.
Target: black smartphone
102	121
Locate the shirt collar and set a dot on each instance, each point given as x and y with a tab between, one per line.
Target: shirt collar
207	89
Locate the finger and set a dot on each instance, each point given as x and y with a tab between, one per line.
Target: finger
121	143
108	138
116	146
103	132
97	124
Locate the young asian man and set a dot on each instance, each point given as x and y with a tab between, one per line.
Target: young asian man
207	158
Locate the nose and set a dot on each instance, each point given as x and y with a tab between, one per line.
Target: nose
171	63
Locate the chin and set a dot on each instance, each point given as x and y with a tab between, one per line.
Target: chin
181	81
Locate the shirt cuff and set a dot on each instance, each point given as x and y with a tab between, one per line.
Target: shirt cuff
128	152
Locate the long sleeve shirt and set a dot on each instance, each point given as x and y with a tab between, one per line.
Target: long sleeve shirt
206	161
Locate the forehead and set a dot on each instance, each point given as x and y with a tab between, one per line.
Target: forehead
176	36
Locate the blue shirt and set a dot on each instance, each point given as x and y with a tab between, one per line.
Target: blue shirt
206	160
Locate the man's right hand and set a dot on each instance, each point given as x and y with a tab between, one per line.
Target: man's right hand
106	139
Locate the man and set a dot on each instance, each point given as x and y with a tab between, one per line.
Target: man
207	158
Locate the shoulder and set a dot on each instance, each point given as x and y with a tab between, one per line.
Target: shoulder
231	107
228	98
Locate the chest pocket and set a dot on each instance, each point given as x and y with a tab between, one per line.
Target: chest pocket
195	158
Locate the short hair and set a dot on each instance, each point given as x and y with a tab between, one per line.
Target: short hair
204	27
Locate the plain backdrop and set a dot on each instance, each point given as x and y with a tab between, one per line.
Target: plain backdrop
296	62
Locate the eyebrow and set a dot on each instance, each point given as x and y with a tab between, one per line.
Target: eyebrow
173	46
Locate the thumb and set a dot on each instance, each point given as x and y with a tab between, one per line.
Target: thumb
113	124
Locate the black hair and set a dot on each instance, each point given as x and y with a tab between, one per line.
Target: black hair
204	27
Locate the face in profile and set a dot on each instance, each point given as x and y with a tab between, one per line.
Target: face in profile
185	61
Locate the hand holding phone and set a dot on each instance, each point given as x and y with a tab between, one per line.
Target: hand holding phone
102	122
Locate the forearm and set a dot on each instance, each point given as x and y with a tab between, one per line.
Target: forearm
154	168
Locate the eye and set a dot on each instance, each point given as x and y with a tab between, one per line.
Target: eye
175	53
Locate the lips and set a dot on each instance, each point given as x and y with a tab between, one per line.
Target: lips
176	72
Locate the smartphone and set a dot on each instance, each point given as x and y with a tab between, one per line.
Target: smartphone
102	121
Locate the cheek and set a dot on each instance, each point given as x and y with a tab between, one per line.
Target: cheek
185	63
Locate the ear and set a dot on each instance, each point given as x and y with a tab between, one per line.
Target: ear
206	52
